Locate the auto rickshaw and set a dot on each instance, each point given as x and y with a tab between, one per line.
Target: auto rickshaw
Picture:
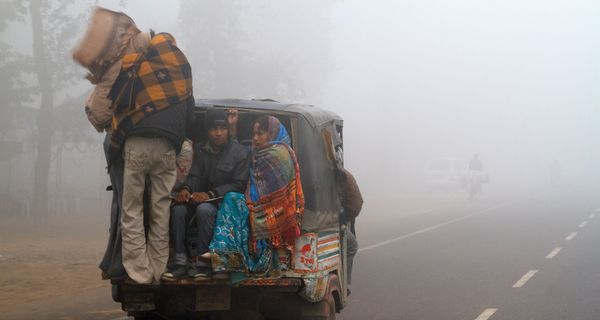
313	286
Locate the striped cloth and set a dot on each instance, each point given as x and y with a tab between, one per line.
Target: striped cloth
274	194
149	82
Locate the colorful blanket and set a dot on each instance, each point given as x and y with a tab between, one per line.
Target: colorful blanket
229	245
274	194
149	82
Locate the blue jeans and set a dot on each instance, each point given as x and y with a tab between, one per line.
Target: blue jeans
204	215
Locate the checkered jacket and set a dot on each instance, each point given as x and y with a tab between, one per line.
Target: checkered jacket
149	81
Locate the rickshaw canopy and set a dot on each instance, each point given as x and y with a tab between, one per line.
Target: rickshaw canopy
317	140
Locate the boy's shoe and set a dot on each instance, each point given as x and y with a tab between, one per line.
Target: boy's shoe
177	273
200	272
205	256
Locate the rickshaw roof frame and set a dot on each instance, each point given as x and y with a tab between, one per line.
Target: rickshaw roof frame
315	116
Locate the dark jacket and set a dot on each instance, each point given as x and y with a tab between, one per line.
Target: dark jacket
170	123
352	200
220	173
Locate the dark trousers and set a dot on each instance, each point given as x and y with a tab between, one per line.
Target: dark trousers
112	262
204	216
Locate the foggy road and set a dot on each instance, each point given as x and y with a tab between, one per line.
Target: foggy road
528	259
535	259
91	304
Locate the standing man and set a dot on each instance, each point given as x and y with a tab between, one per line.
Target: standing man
109	37
352	202
143	99
221	165
152	100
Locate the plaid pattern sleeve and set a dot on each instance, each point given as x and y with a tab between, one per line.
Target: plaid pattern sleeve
149	81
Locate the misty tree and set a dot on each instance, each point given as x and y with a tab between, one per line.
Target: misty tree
232	57
52	24
14	66
14	89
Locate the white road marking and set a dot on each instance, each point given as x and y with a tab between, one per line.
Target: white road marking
486	314
412	234
583	224
553	253
571	236
592	216
525	278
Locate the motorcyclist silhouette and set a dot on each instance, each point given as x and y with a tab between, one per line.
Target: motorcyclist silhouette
476	177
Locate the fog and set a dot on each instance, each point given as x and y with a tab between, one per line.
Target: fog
420	84
515	82
512	81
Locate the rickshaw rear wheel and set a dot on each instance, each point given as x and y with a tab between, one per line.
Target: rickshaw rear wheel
325	309
330	300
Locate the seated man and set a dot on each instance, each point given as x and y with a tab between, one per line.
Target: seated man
220	165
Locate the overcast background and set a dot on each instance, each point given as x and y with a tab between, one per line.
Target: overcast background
514	81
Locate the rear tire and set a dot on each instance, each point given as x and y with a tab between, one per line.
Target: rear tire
322	310
147	316
325	309
330	300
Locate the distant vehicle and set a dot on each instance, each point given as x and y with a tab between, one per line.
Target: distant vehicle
446	174
313	284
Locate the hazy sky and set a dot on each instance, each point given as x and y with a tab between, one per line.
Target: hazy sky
514	80
147	14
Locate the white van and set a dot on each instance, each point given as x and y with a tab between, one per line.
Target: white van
446	174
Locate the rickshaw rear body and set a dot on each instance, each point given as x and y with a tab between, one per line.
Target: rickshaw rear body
313	282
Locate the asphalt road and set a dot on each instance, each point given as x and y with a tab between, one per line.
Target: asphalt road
527	259
530	259
92	304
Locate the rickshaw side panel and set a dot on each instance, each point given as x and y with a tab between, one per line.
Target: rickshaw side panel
317	173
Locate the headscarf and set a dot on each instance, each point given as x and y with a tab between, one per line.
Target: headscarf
277	132
274	194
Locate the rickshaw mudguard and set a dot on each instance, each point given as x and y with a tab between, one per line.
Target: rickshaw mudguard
317	256
314	289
